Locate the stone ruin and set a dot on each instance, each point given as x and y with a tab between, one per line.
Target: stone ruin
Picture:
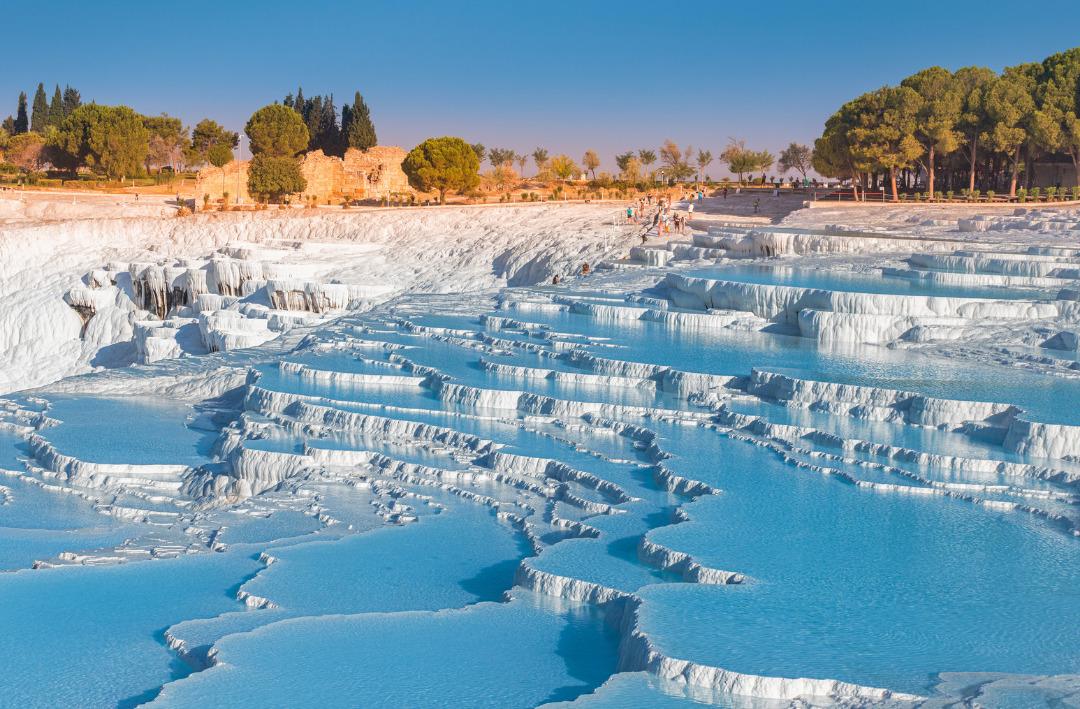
361	174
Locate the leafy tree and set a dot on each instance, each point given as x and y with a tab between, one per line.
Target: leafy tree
564	167
25	151
1009	105
4	138
670	154
622	160
40	117
704	157
56	108
591	161
8	126
442	164
498	157
540	157
72	100
631	169
206	135
274	176
795	157
360	132
941	103
108	139
219	154
168	138
885	135
972	83
277	131
742	160
22	122
480	151
1059	95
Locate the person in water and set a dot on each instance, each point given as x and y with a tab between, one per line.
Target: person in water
585	268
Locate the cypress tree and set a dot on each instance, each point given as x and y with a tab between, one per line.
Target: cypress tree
40	117
361	133
329	134
56	108
312	115
299	104
22	123
72	100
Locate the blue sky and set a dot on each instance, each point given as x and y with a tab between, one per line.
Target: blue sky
564	75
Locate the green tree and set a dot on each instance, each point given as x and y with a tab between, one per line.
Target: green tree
168	138
742	160
564	167
1009	104
40	117
8	126
443	165
360	133
591	161
107	139
837	152
939	112
56	108
885	134
540	157
25	151
1059	95
480	151
72	100
206	135
972	83
795	157
274	176
22	122
622	160
499	157
277	131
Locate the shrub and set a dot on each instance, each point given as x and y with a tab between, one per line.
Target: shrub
949	195
1036	192
990	194
1022	194
1051	193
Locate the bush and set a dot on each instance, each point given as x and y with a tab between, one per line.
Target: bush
990	194
949	195
1022	194
1075	192
1036	192
1051	193
275	177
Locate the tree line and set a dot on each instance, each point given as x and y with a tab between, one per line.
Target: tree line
972	127
67	135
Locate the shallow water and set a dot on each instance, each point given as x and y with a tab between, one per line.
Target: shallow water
474	535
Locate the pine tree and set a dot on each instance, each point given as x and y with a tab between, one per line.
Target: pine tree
22	123
56	108
361	133
72	100
40	117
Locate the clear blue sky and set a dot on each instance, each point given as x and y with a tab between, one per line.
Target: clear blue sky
565	75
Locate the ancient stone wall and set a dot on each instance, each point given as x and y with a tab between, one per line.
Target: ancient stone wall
369	174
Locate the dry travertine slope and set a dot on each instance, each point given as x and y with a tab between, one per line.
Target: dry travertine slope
416	250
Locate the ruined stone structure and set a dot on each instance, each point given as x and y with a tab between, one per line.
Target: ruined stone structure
368	174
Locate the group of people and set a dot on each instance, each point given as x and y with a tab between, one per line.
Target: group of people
658	216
